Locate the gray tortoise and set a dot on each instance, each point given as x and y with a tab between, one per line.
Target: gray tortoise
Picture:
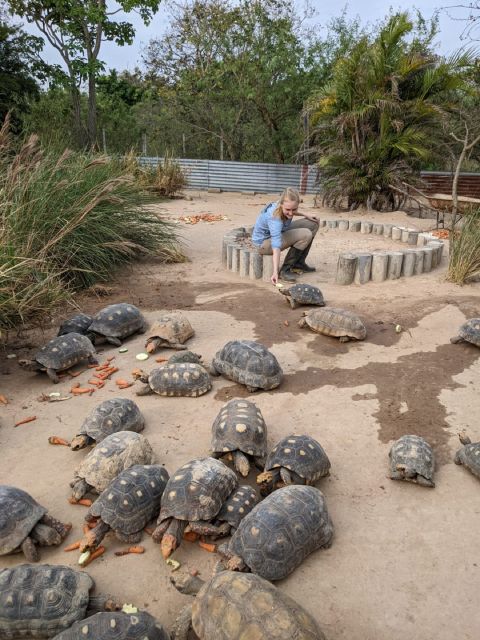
126	505
116	322
110	416
116	626
178	379
78	323
185	356
293	460
239	432
412	459
469	454
249	363
61	353
234	509
25	525
241	606
338	323
193	496
280	532
300	294
39	601
468	332
115	453
171	330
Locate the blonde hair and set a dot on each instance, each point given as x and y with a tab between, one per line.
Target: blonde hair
290	194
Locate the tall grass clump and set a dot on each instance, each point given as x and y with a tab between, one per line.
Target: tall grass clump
166	179
67	222
464	261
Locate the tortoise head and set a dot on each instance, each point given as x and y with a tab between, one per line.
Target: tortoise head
30	365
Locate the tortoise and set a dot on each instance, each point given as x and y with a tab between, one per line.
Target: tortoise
303	294
468	332
78	323
178	379
185	356
193	496
110	416
338	323
280	532
412	459
117	452
249	363
38	601
239	431
126	505
235	508
25	524
116	626
61	353
116	322
170	330
241	606
469	454
293	460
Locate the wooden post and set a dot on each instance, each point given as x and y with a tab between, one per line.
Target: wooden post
395	259
412	237
322	223
354	225
332	224
267	268
230	247
378	229
387	230
366	227
256	265
346	268
396	233
379	266
343	225
244	262
363	268
427	259
408	264
418	268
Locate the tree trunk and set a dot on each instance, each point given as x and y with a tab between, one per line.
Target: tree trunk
92	112
79	133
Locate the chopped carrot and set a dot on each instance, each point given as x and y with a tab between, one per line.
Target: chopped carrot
120	381
3	399
125	386
91	366
74	386
79	391
96	383
161	359
136	549
25	420
211	548
58	440
95	554
73	546
286	323
190	536
85	502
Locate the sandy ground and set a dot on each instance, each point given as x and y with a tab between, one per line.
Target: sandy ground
404	562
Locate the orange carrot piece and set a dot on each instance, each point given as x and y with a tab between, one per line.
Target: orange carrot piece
125	386
190	536
58	440
73	546
120	381
95	554
161	359
3	399
96	383
85	502
79	391
25	420
135	549
211	548
91	366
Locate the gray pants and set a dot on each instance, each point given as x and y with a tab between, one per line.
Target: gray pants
299	235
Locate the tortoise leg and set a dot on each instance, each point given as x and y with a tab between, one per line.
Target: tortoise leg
259	462
52	374
286	476
80	487
157	535
397	475
131	538
115	341
144	391
62	528
241	463
172	537
344	339
204	528
182	624
30	550
425	482
293	303
251	389
92	538
456	339
178	346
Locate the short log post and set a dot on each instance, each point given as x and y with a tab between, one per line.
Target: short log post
412	237
437	256
343	225
395	259
244	262
256	265
346	268
379	266
332	224
354	225
230	248
418	268
408	264
267	268
422	239
366	227
387	230
405	233
226	240
396	233
427	258
378	229
322	223
236	257
363	268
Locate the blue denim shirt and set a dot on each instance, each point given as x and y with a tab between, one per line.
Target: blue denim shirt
267	226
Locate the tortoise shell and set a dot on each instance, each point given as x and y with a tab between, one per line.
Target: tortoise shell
116	452
19	513
38	601
469	455
116	626
249	363
238	505
197	490
338	323
301	454
171	328
282	530
234	606
469	332
132	499
65	351
180	379
118	321
412	459
240	426
111	416
76	324
185	356
303	294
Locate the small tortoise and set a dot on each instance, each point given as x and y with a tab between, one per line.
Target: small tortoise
116	322
193	496
178	379
241	606
412	459
111	416
303	294
61	353
39	601
293	460
25	524
469	454
126	505
280	532
239	431
469	332
116	626
117	452
76	324
170	330
334	322
249	363
185	356
235	508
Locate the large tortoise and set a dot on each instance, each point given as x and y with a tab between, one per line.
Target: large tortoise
280	532
78	323
468	332
241	606
293	460
193	496
116	322
469	454
178	379
249	363
38	601
126	505
117	452
110	416
338	323
303	294
239	432
116	626
61	353
170	330
25	524
412	459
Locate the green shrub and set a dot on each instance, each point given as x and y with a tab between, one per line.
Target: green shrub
464	260
166	179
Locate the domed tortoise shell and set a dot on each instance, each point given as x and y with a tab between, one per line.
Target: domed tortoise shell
19	513
249	363
303	294
412	459
469	332
76	324
338	323
65	351
172	329
111	416
239	425
116	626
118	321
301	454
238	505
180	379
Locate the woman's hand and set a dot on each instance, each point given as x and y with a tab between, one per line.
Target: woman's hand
274	278
310	217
